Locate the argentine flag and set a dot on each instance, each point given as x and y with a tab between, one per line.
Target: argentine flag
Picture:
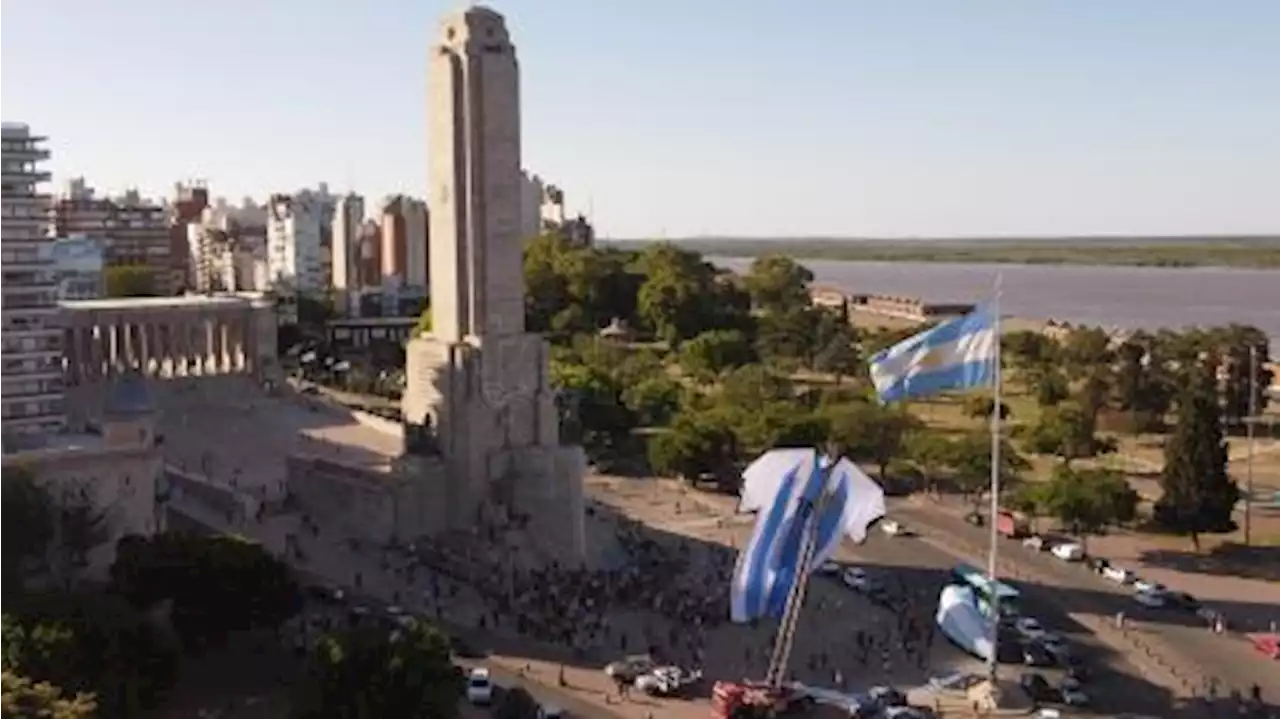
781	486
958	354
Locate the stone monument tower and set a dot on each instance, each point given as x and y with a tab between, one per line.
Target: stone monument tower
477	394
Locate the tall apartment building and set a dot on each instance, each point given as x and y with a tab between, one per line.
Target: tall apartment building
31	400
135	230
190	199
348	216
405	261
299	236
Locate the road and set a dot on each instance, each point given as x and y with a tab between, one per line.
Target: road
1178	641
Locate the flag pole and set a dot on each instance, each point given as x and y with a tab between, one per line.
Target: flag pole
993	602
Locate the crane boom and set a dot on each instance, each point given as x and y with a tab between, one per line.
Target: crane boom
810	512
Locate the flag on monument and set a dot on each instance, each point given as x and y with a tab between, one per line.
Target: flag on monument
958	354
782	486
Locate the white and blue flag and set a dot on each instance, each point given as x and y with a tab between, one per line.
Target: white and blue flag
958	354
781	486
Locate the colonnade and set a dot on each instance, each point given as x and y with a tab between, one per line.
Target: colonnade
172	342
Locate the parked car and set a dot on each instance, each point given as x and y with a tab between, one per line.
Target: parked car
885	697
1029	627
1146	585
1072	693
479	687
1035	655
829	568
1119	575
1068	552
630	667
1152	600
1037	687
1035	542
856	579
546	711
1182	600
667	681
906	712
892	528
1097	564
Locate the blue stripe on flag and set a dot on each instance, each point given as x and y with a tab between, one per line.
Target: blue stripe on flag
788	558
832	521
757	566
946	333
968	374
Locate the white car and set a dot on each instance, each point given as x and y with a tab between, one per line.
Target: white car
1073	693
666	681
1146	585
1154	600
1119	575
855	578
1036	543
479	687
892	528
1068	552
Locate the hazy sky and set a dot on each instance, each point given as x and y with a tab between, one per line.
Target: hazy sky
681	117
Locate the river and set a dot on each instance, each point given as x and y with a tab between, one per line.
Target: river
1128	297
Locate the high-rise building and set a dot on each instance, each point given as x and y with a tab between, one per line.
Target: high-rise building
190	199
347	217
404	257
32	338
299	228
134	229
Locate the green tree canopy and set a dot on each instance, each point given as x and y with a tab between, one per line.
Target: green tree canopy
1087	501
129	281
715	351
1068	432
367	672
218	584
1198	496
971	464
21	698
777	283
871	432
697	443
28	517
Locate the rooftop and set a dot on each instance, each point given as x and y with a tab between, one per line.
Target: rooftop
142	303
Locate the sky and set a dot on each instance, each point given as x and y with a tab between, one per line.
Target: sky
674	118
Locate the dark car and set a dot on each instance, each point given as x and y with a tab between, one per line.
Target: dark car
1034	654
1182	600
1097	564
1009	651
1037	687
885	697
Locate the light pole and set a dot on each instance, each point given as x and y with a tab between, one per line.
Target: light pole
1250	421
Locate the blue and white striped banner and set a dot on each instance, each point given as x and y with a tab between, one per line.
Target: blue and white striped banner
959	354
778	485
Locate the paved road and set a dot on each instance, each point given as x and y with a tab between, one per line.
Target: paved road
1179	641
1120	685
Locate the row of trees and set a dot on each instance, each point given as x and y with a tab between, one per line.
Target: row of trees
727	377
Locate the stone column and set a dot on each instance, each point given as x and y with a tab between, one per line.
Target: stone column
145	345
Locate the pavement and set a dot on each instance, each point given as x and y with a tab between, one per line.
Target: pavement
1181	647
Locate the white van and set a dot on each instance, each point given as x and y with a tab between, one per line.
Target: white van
1069	552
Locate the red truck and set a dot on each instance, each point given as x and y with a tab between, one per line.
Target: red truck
1011	526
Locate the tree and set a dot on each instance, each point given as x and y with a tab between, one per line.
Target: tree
787	338
653	399
1050	386
1236	342
28	518
129	281
424	322
872	432
1086	351
980	405
677	296
21	698
91	643
1028	499
712	352
932	454
697	443
79	527
971	464
778	283
218	584
1198	497
1140	384
1088	501
368	672
1067	432
1029	351
837	350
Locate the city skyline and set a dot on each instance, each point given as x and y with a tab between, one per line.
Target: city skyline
910	120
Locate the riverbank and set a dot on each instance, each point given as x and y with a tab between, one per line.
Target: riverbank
1253	252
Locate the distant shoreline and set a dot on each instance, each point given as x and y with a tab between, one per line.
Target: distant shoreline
1262	252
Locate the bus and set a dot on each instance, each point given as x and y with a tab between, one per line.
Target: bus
1006	597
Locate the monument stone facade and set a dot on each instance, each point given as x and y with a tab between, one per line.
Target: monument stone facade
481	421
